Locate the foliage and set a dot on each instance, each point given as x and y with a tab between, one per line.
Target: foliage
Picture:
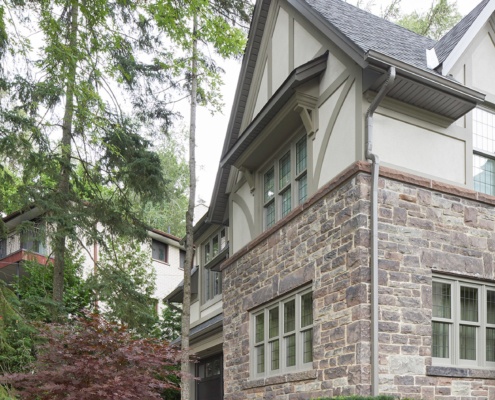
168	215
124	285
82	98
437	21
17	337
170	324
96	359
35	289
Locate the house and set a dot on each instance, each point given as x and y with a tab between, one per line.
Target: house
166	254
356	192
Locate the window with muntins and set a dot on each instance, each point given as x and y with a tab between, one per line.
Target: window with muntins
282	337
212	280
484	151
463	323
285	183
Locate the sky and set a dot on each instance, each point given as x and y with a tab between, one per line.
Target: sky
211	130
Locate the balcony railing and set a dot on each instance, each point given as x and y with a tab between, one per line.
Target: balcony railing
30	240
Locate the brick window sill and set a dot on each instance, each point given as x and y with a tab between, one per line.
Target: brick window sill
460	372
276	380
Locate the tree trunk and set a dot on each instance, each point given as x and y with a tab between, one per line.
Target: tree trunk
63	186
186	304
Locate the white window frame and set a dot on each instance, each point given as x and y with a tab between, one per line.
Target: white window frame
455	322
299	337
292	185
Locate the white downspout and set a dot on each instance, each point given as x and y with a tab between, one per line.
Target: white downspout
375	172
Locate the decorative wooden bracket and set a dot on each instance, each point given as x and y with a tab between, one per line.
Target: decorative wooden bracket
249	178
306	107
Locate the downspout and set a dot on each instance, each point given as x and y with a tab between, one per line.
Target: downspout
375	172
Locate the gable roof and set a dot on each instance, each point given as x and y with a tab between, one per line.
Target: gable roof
367	40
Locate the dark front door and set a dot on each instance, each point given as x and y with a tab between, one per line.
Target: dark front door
209	386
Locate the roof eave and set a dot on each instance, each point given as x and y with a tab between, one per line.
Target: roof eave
298	76
430	78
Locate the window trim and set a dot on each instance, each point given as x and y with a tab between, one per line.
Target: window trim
455	322
293	184
267	340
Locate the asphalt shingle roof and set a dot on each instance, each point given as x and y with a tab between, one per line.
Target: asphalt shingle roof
447	43
370	32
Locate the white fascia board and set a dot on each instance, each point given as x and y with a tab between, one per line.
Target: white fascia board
468	37
431	58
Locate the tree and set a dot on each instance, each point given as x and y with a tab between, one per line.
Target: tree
124	284
35	289
194	27
81	153
168	215
436	22
96	359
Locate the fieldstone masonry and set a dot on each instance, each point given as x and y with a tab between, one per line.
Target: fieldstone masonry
424	227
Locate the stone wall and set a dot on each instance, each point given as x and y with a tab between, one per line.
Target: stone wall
325	244
424	231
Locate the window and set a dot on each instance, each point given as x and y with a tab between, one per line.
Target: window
463	323
284	181
282	336
484	151
212	280
159	251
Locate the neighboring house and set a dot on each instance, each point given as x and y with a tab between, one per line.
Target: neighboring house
19	247
339	282
165	253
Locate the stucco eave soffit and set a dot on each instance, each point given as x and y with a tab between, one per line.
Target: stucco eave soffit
428	90
285	98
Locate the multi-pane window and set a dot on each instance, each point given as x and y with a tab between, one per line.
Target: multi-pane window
463	324
283	336
285	183
212	280
484	151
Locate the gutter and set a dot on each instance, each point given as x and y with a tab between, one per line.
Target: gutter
375	172
429	78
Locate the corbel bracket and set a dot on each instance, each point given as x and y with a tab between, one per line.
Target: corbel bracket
249	178
306	108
